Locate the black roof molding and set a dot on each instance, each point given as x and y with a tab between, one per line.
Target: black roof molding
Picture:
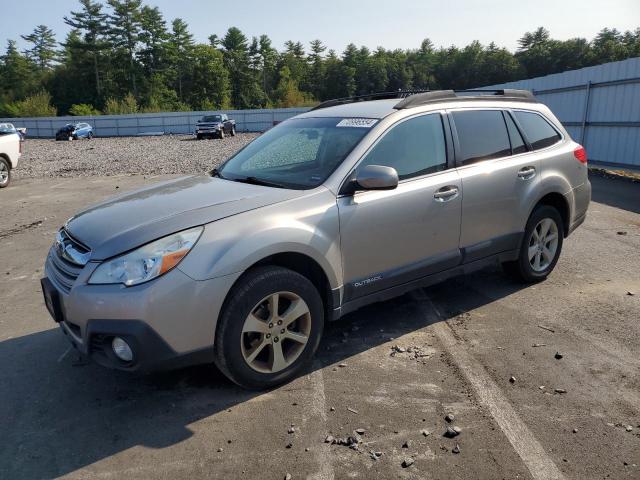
465	95
416	98
367	97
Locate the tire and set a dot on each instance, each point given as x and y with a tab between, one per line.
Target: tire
221	134
90	136
233	131
199	137
530	269
5	173
249	300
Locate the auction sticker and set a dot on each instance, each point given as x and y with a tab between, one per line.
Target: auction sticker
357	122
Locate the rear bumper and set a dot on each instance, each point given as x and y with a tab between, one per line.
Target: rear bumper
581	199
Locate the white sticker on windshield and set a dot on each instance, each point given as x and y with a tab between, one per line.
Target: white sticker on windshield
357	122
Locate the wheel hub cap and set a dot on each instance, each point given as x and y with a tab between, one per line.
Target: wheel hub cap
543	244
275	332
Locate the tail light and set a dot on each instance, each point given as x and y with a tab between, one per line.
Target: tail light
581	154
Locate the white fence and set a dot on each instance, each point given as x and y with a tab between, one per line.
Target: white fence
154	123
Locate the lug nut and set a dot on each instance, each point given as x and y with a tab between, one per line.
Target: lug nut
282	331
268	335
271	325
275	339
279	322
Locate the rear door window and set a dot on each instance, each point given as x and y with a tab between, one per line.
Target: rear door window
482	135
537	130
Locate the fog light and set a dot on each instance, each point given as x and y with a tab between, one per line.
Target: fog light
122	349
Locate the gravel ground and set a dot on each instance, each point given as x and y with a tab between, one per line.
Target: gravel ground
173	154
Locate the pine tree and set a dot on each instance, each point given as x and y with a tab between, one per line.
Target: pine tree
125	24
43	52
91	23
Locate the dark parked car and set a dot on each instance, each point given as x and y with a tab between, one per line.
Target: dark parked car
217	125
74	131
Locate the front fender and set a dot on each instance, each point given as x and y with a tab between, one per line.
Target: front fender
306	225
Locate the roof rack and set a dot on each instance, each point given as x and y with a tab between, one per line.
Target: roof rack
464	95
369	96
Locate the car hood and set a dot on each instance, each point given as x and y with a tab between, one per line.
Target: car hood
133	219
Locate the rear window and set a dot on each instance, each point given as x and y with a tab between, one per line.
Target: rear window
537	130
482	135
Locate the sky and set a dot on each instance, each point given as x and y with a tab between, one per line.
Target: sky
372	23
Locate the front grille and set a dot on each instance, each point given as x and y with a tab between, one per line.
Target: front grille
62	271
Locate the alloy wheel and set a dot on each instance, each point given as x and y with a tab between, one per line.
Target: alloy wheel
543	244
275	332
4	173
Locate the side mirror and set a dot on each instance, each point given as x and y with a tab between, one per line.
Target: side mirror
376	177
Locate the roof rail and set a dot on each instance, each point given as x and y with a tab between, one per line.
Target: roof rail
368	96
463	95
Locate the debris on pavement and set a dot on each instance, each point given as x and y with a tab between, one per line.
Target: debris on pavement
559	390
539	345
329	439
512	379
452	432
425	433
449	417
406	444
407	462
288	476
352	410
630	293
456	449
375	455
628	428
360	431
558	356
548	329
621	232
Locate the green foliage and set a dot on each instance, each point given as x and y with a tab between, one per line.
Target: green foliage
120	107
122	56
36	105
83	110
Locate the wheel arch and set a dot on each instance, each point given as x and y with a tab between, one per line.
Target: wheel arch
560	203
4	156
306	266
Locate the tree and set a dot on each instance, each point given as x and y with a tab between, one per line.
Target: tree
36	105
209	82
245	89
180	48
43	52
125	24
90	23
83	110
16	73
154	37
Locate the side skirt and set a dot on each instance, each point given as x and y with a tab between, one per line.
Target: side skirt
422	282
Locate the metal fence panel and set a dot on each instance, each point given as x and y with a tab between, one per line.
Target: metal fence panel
154	123
599	106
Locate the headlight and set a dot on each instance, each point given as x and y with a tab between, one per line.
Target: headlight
147	262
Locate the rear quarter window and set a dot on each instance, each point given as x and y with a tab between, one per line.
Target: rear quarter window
537	130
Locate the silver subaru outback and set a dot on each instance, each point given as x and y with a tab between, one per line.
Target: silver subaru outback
350	203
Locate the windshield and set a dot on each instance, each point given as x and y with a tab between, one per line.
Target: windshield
299	153
211	118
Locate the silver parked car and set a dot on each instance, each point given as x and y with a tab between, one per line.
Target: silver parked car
350	203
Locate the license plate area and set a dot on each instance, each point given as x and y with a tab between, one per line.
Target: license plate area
52	299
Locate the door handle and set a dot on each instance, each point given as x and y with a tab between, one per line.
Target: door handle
445	194
526	173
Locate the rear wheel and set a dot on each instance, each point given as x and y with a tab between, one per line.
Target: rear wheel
269	329
5	173
90	136
541	246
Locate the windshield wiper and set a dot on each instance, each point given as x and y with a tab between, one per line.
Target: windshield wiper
257	181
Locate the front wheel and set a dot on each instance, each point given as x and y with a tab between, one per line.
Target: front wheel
222	133
541	246
269	329
90	136
5	173
233	131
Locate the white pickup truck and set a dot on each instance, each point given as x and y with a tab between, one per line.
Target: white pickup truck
10	152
